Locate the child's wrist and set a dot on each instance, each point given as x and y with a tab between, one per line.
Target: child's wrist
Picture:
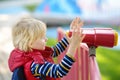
72	57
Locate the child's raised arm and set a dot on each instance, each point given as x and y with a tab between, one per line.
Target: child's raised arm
64	42
76	37
60	47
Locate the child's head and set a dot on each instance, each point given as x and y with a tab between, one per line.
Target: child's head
26	32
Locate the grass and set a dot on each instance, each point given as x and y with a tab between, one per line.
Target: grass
51	41
108	61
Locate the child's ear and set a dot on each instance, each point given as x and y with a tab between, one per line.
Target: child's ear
29	44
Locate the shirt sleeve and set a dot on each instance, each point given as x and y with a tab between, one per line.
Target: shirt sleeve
53	70
60	47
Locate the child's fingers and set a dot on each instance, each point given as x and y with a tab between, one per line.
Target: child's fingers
82	37
73	23
73	31
80	34
80	24
77	27
78	20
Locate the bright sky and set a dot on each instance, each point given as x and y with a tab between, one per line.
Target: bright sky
103	4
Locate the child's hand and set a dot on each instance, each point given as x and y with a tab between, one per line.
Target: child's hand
77	35
74	24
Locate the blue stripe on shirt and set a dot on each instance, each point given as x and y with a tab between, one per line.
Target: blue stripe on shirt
53	70
60	47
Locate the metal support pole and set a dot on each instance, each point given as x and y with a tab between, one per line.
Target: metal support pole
92	51
94	70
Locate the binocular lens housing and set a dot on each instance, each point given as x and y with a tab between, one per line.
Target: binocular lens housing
106	37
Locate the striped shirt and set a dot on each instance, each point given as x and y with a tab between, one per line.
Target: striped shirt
60	47
54	70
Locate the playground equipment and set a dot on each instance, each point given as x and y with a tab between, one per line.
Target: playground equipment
106	37
86	67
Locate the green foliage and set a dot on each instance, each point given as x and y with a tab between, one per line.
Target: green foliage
31	8
109	63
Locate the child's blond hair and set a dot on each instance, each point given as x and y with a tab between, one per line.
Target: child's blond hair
26	31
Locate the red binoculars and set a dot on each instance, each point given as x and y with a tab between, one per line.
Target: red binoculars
106	37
